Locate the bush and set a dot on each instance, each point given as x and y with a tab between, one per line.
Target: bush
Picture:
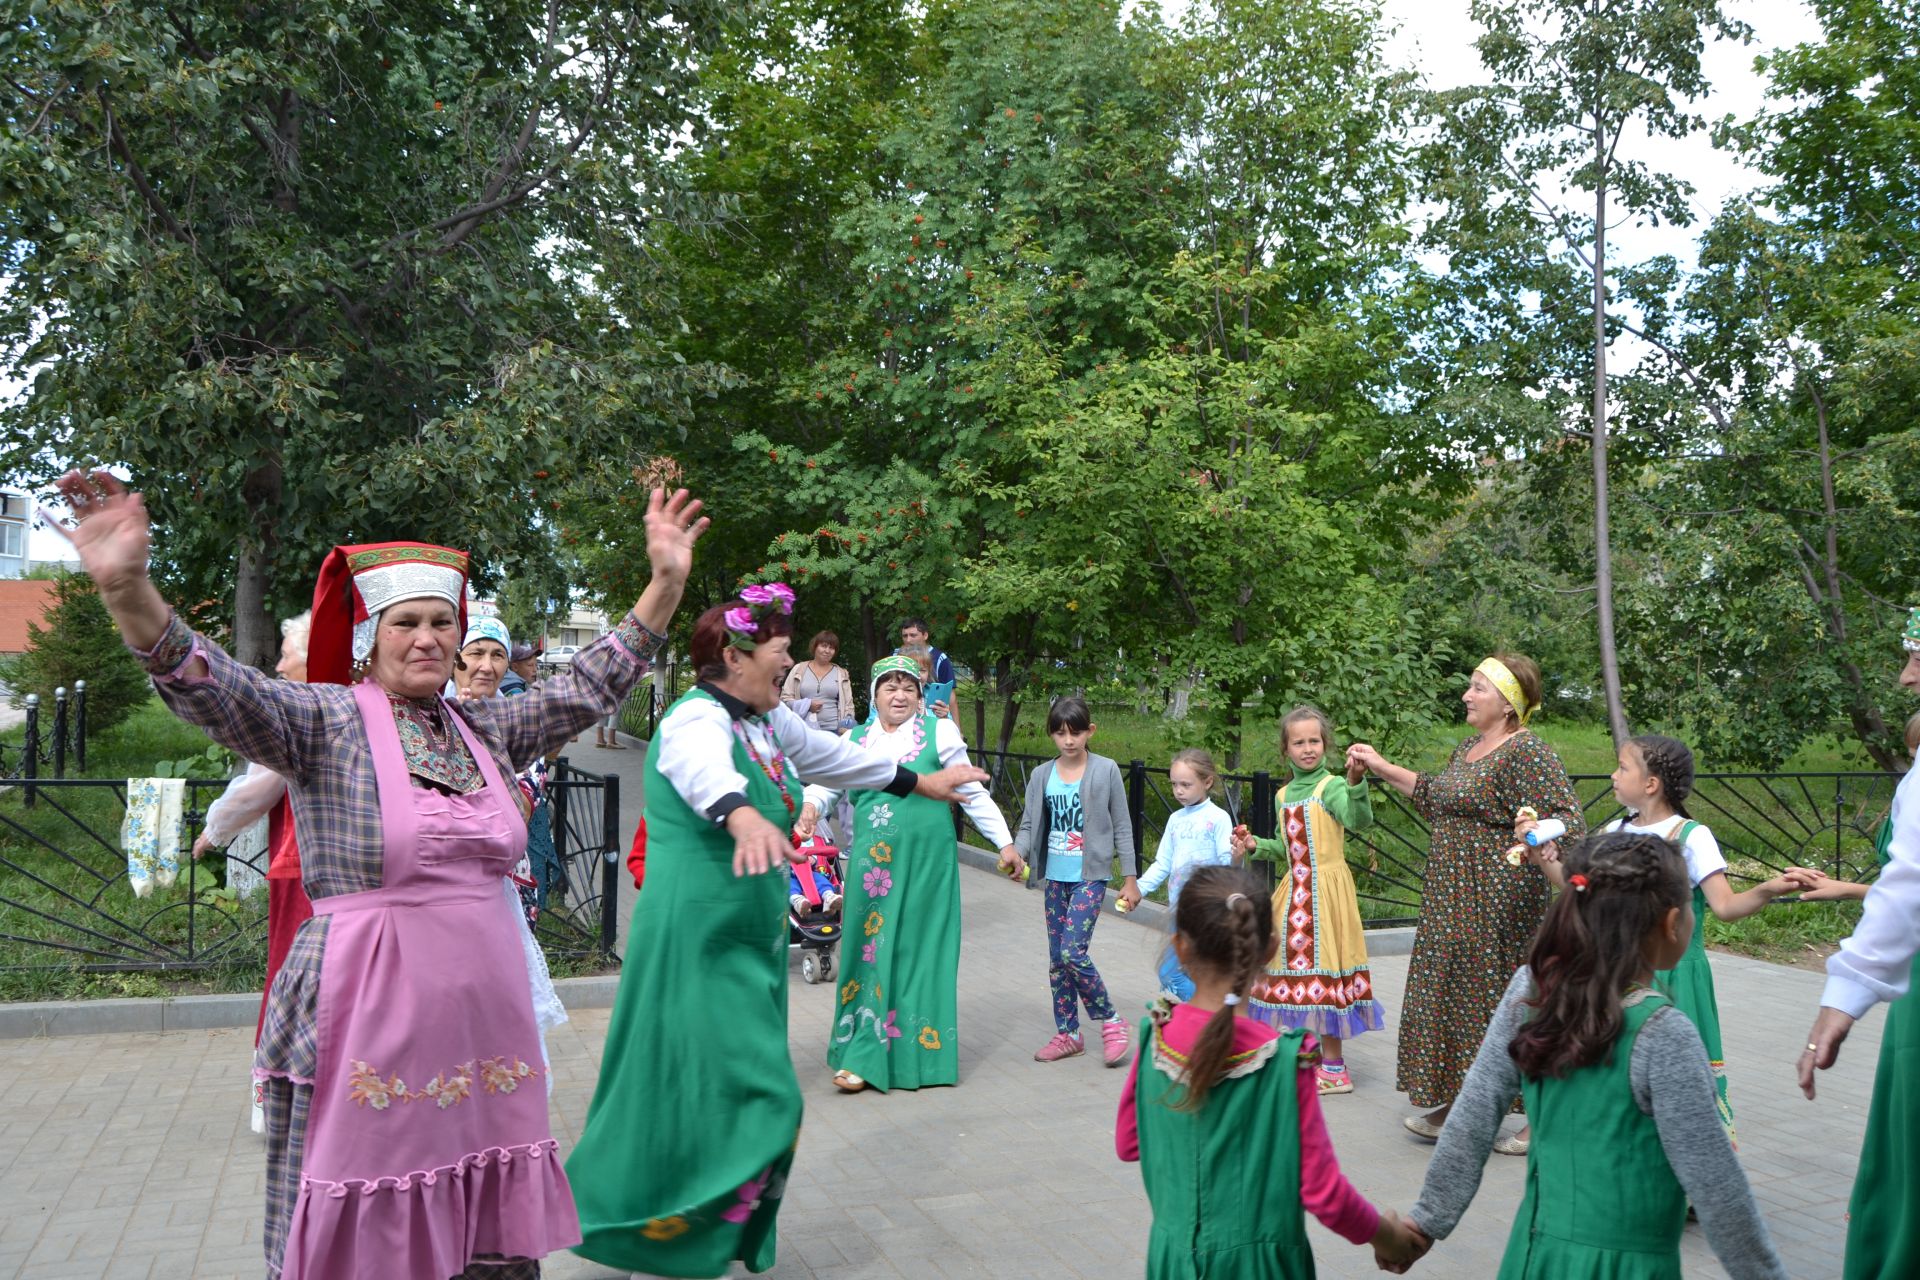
78	641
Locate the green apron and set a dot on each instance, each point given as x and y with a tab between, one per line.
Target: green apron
1224	1182
897	1021
683	1161
1883	1218
1602	1202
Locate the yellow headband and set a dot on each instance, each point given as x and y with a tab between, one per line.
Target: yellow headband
1502	679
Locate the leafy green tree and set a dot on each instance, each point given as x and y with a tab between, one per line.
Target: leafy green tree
1571	78
78	641
1782	412
341	271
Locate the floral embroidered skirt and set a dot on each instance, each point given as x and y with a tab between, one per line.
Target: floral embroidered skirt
896	1024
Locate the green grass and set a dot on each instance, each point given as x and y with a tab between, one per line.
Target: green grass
1759	823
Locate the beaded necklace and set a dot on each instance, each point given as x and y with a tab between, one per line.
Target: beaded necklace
919	723
776	772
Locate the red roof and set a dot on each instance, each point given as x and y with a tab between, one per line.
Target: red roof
22	600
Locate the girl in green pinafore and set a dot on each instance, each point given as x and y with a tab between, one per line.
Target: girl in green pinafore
683	1162
896	1025
1883	1217
1653	782
1619	1093
1224	1117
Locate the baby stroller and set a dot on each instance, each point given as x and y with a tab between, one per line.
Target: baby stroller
817	931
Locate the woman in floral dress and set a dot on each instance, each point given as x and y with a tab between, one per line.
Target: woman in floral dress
1478	910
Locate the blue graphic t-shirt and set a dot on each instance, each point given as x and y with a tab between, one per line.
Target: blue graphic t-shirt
1066	820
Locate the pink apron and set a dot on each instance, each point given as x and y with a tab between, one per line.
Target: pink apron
428	1143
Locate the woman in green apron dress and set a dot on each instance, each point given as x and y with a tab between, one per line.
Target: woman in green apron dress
683	1162
896	1025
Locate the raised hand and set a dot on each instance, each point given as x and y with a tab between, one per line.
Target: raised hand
674	524
111	533
1241	842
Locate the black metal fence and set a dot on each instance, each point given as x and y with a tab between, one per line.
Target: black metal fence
51	739
581	919
1765	822
67	902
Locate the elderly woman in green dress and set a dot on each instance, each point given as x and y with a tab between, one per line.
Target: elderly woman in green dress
682	1165
897	1023
1478	910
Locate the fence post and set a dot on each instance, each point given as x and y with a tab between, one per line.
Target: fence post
559	804
30	748
1137	803
60	732
80	725
1265	820
610	864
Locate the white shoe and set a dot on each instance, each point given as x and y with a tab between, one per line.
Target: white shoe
800	904
830	902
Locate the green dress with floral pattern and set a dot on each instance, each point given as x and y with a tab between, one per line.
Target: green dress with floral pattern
683	1162
896	1022
1478	912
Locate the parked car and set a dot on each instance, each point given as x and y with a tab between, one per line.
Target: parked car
559	656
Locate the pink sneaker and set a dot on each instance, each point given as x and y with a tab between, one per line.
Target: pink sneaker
1332	1081
1114	1042
1061	1046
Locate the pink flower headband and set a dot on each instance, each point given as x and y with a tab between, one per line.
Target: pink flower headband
761	602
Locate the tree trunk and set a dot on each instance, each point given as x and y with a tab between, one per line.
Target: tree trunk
1863	709
256	637
1602	536
870	635
1009	706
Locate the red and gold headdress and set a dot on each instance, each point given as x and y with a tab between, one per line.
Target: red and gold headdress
357	583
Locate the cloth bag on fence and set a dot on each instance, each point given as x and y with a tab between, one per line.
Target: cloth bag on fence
151	834
246	859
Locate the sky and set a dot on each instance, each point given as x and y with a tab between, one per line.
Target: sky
1435	38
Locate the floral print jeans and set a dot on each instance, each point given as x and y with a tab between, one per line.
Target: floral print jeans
1073	907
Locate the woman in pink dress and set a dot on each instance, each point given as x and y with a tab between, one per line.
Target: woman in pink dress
404	1087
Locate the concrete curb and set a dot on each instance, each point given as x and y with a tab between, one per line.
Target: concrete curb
38	1018
1153	915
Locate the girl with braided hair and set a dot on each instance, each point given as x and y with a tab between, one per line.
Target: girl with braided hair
1225	1121
1653	782
1626	1128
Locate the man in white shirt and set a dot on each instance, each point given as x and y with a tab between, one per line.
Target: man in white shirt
1875	963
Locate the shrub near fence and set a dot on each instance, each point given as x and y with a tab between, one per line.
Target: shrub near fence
1765	822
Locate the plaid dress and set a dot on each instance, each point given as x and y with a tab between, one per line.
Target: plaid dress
313	736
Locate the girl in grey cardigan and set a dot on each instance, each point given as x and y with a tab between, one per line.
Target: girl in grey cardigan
1072	829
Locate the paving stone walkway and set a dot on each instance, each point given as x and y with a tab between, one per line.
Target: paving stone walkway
128	1156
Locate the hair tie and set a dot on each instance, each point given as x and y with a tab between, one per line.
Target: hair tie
1579	883
1232	997
1233	897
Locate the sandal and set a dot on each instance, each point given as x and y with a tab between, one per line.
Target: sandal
847	1082
1513	1144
